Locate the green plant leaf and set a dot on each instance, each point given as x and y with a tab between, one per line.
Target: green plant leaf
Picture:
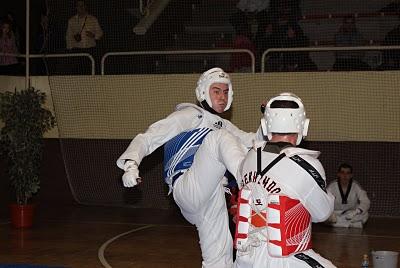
21	138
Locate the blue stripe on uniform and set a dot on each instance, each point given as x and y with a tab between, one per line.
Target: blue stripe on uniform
179	151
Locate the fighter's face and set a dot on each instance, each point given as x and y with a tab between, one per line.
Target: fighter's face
219	96
81	7
345	175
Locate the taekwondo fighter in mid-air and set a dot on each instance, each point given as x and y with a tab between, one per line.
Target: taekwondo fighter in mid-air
194	139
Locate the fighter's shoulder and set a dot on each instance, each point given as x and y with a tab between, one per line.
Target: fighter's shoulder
357	185
252	152
310	156
188	107
292	151
332	185
187	115
188	111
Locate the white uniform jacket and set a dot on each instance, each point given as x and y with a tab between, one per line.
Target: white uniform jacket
77	25
294	175
357	198
187	117
288	178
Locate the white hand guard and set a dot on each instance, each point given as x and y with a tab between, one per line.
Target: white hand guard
131	176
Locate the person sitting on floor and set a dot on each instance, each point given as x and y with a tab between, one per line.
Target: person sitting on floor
351	200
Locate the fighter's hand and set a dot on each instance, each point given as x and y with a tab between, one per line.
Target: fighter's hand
131	176
350	214
233	212
263	106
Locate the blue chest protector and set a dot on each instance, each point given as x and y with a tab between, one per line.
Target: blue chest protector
179	151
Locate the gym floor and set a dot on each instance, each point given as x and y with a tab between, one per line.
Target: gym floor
92	236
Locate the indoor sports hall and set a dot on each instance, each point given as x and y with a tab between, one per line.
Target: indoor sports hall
147	61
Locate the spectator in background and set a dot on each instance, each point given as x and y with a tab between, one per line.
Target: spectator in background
393	6
351	200
391	58
41	46
348	36
250	9
9	65
288	35
288	10
265	38
241	62
83	29
252	6
295	61
83	32
16	30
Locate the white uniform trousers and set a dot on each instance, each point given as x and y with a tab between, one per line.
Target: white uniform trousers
200	195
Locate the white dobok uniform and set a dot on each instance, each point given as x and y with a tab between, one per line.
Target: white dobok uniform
282	193
195	173
355	199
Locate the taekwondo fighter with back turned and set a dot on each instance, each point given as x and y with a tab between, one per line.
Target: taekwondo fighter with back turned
283	190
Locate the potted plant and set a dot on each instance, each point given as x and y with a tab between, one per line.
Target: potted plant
25	120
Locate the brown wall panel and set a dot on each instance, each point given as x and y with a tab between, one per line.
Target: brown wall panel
99	183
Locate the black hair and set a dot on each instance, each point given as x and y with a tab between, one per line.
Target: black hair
284	104
345	165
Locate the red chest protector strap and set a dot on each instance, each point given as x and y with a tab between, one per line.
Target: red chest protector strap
245	214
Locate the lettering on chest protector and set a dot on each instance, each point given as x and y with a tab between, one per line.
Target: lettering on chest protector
266	182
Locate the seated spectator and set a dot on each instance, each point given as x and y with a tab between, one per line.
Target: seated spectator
288	9
392	7
241	62
348	36
41	46
252	6
351	200
9	65
289	35
265	38
19	41
249	9
296	61
391	58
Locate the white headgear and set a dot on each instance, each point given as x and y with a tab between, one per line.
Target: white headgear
214	75
285	120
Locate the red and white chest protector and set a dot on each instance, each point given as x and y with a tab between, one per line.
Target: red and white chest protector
279	206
